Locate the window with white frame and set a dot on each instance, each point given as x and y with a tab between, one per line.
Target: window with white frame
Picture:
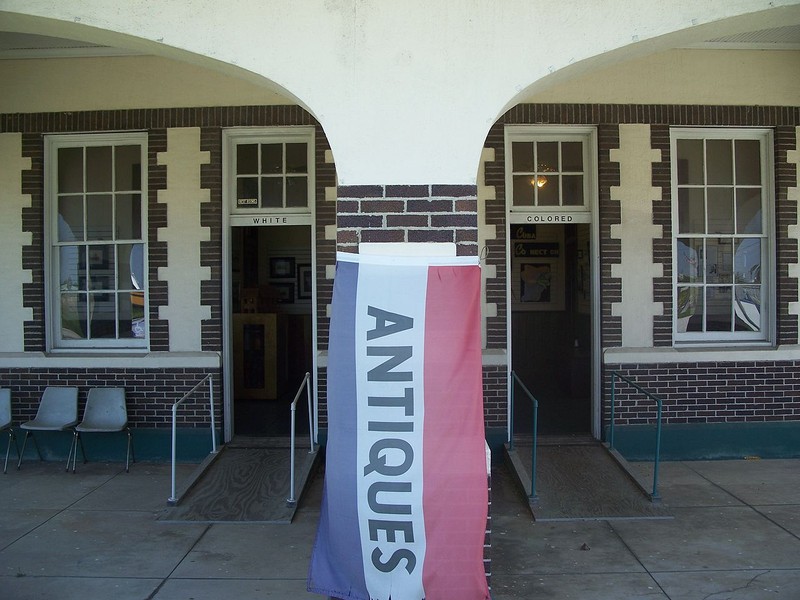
272	171
722	234
96	211
549	169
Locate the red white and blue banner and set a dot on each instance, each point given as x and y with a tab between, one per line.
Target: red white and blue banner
405	498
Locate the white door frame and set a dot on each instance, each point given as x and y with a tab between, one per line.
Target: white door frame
555	216
230	219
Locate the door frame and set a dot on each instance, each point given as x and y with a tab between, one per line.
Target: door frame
262	218
554	216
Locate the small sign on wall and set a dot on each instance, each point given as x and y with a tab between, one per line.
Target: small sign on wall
537	270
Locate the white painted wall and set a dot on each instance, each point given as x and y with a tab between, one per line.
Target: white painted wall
12	312
405	89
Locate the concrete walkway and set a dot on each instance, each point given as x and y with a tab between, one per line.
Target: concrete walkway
94	535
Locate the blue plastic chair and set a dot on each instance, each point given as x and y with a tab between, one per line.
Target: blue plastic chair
58	411
105	412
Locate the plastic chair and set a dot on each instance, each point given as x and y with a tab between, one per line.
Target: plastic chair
5	423
105	412
58	411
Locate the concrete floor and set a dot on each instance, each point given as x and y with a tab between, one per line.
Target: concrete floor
94	535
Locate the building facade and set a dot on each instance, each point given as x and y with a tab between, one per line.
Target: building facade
173	199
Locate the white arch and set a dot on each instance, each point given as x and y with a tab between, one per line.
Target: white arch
406	90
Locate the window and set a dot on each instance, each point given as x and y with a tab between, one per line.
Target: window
547	171
722	234
96	210
273	173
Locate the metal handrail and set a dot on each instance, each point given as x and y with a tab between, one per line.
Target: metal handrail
614	376
535	426
305	383
173	498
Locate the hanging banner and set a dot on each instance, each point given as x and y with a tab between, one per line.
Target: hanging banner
405	499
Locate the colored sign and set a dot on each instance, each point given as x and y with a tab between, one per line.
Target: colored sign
405	498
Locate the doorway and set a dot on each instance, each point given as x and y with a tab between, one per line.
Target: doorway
551	325
272	328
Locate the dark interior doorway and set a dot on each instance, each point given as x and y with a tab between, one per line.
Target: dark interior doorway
551	326
272	333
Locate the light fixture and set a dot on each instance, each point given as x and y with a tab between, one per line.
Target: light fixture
539	181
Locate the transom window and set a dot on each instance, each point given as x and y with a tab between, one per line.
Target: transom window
272	175
548	172
721	230
97	206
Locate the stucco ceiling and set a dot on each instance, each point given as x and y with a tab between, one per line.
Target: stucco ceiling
21	45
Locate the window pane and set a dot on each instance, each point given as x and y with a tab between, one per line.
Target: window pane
70	170
719	154
131	323
547	195
691	211
720	210
690	162
98	169
125	266
690	309
719	260
296	191
523	190
690	257
296	158
247	159
70	219
128	168
129	217
72	268
748	308
748	162
102	312
522	157
748	211
271	158
247	192
747	261
101	266
573	190
272	192
73	316
98	217
719	316
571	156
547	156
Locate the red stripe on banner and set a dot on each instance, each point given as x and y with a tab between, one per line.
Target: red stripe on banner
454	465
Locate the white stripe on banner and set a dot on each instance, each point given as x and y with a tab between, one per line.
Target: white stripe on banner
390	317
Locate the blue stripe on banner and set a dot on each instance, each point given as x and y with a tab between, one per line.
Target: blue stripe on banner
336	564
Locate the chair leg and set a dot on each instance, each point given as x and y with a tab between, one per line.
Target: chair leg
11	436
77	440
73	449
24	442
130	451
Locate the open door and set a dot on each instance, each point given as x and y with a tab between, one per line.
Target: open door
551	326
271	325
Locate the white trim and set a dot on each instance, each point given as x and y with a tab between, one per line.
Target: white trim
695	355
130	360
560	215
768	308
53	142
273	218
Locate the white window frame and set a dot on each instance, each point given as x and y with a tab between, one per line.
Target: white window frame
272	135
766	335
54	340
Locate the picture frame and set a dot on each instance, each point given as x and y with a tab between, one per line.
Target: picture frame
304	282
281	267
285	292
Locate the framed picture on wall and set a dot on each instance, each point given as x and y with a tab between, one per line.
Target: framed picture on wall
285	292
304	282
281	266
537	274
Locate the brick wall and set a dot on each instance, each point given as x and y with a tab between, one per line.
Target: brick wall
150	393
712	392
